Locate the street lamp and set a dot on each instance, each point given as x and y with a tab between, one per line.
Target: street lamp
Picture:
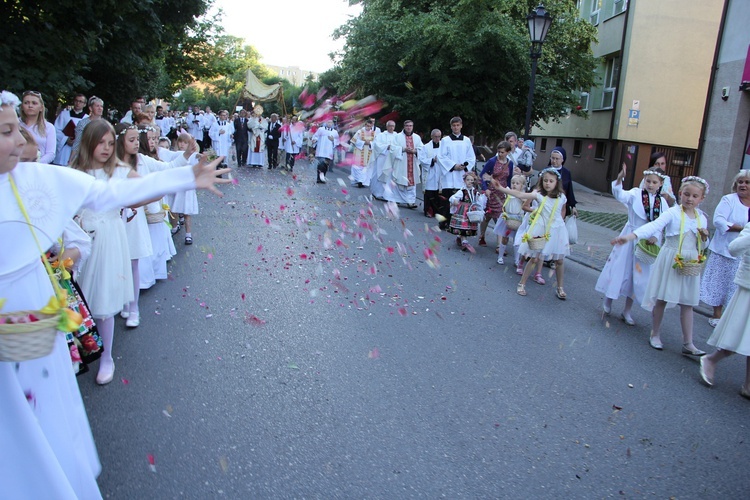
539	22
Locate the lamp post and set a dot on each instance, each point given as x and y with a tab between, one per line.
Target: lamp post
539	22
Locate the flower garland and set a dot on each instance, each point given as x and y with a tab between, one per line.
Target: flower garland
679	260
535	216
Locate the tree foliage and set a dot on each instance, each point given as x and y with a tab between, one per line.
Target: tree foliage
116	49
431	60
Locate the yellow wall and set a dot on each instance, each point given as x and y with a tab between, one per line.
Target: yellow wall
667	68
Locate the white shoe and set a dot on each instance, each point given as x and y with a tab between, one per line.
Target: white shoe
607	307
713	322
628	319
106	372
500	260
133	320
124	314
322	177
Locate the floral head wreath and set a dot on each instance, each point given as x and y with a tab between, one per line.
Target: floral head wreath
699	180
654	172
125	130
552	170
9	99
146	129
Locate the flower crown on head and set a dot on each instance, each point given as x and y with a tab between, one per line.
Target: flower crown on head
125	130
146	129
699	180
551	170
9	99
654	172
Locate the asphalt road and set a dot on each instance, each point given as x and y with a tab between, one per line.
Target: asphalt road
303	348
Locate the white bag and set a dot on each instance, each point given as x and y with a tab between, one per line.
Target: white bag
572	227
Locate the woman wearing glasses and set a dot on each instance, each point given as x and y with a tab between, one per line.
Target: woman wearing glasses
32	119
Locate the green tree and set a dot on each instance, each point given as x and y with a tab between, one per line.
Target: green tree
115	49
431	60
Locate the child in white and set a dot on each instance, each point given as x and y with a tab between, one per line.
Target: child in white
547	222
512	210
686	236
462	202
185	203
623	275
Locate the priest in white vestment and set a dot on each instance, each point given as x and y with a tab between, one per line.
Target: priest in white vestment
65	129
405	174
256	130
362	142
385	152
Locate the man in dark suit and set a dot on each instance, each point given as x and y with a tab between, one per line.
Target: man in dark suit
240	138
272	141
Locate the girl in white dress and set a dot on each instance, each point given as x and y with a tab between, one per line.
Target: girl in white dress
44	425
155	267
185	203
512	209
686	235
732	334
139	238
546	222
624	275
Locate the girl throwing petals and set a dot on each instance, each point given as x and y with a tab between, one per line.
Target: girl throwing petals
546	236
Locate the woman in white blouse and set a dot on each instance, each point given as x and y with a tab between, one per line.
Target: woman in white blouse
32	119
731	215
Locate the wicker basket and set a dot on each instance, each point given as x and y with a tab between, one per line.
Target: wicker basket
691	269
537	243
475	215
512	224
25	341
156	218
644	254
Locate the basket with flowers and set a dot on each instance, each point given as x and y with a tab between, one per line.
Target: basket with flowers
25	334
538	242
693	267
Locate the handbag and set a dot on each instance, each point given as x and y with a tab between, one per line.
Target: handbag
572	227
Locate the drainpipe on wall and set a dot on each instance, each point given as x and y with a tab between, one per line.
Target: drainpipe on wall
616	108
709	93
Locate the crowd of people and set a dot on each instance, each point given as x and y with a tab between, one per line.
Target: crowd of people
111	213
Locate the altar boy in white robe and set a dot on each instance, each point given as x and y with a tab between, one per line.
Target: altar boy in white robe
221	135
456	157
386	150
326	139
431	173
405	175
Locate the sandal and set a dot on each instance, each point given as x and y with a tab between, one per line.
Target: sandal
482	242
188	240
521	289
561	293
538	279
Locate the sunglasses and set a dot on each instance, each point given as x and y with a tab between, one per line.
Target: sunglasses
32	92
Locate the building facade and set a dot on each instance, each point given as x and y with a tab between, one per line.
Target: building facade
726	140
293	74
655	68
